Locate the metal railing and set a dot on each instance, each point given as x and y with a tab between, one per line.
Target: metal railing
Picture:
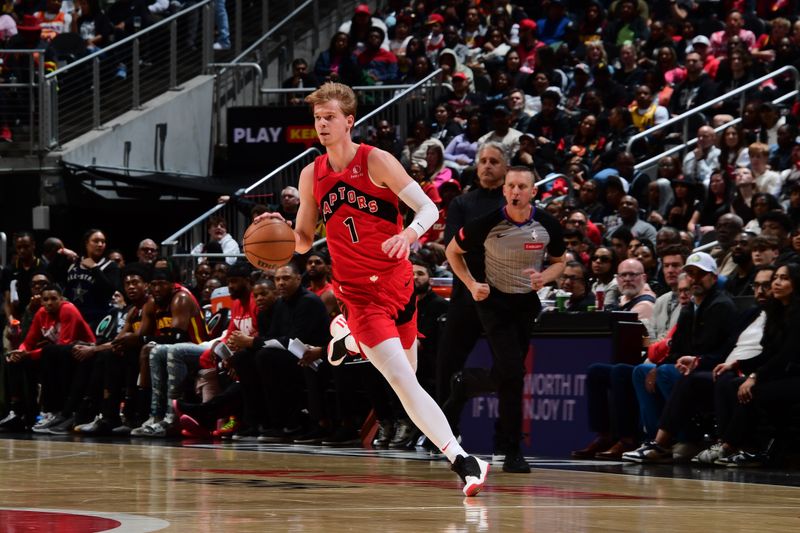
103	85
3	249
682	118
413	100
264	191
21	95
239	81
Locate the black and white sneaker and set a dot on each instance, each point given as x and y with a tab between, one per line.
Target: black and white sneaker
12	422
472	471
342	343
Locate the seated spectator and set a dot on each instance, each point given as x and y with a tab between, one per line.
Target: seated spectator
714	310
734	152
116	359
668	306
358	28
575	280
386	138
92	24
436	171
550	125
611	399
22	380
734	27
696	89
603	265
629	218
684	211
767	180
53	20
779	225
745	195
300	78
218	234
461	151
781	154
659	196
56	328
770	384
694	391
704	159
178	322
645	252
147	251
587	142
718	202
627	24
338	63
644	111
502	132
378	64
739	282
318	272
444	126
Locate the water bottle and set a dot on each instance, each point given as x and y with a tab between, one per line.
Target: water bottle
14	332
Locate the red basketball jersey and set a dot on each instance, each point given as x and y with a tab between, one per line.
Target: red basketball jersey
359	216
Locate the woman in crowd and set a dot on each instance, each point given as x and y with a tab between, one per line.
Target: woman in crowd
461	151
93	279
718	201
684	211
587	142
338	63
762	203
770	382
645	252
659	196
603	265
734	151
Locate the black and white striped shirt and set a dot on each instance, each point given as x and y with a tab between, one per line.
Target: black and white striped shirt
510	248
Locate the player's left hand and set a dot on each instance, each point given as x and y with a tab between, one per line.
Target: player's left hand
398	246
537	279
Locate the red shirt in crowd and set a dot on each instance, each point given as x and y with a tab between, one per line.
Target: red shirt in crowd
67	327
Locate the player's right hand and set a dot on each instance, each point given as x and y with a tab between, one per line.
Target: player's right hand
480	291
276	216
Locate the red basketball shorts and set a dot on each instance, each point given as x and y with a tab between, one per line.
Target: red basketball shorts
381	309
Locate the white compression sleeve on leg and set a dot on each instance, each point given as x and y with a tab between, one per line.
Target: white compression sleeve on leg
391	360
426	213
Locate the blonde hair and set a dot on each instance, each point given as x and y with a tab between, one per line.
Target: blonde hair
758	149
339	92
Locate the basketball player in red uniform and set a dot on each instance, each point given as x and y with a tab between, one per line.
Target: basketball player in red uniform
356	189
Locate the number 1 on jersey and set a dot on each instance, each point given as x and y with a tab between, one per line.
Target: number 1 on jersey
351	226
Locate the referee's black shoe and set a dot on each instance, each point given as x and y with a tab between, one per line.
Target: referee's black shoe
515	463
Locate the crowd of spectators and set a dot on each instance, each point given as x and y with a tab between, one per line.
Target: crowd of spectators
558	87
70	29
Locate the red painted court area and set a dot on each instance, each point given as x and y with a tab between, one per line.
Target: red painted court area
26	521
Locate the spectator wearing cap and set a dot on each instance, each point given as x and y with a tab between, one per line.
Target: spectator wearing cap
502	132
704	159
528	44
379	64
434	41
700	337
358	28
734	27
553	27
702	46
462	97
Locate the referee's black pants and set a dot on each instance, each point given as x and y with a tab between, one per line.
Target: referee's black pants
507	320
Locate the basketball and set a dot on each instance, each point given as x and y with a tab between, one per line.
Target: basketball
269	243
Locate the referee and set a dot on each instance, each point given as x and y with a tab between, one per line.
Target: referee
515	239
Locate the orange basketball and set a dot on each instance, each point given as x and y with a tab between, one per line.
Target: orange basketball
269	243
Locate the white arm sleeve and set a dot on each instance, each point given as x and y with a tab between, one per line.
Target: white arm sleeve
426	213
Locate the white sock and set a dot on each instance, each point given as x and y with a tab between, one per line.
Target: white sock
396	366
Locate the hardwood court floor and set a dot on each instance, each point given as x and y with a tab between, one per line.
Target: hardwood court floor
238	487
